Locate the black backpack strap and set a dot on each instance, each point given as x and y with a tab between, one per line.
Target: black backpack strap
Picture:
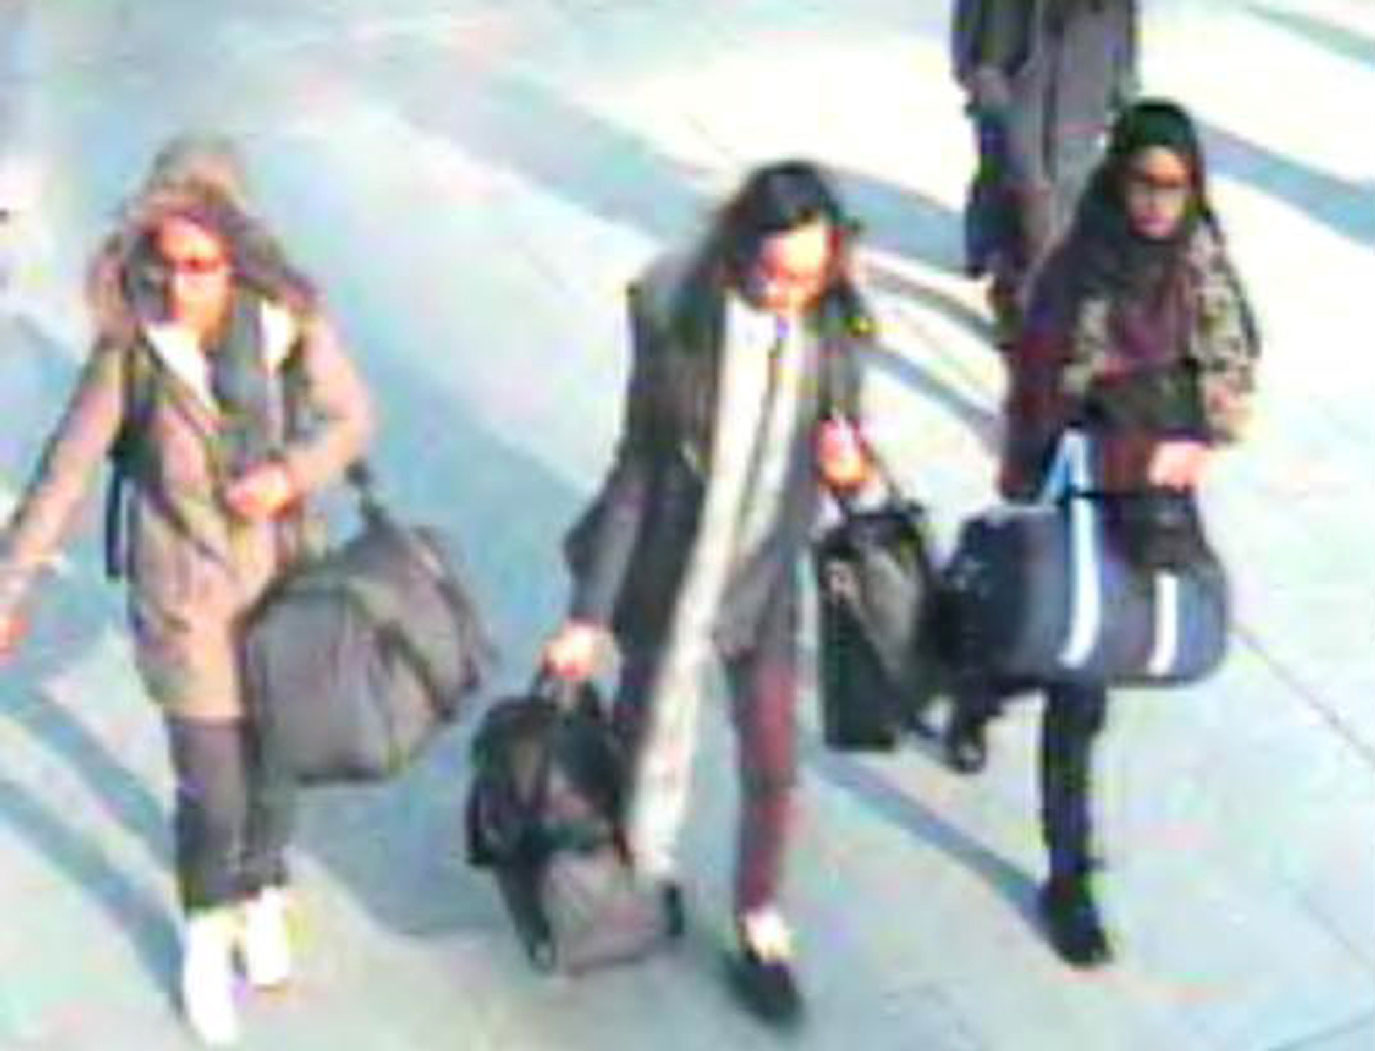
125	453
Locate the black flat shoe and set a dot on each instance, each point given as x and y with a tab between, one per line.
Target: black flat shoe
1072	922
675	909
767	989
966	744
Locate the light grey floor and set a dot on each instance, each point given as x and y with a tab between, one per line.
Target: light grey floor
472	183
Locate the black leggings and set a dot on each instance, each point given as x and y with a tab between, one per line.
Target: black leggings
1071	721
234	812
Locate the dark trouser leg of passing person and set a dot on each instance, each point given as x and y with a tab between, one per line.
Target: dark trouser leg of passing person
211	768
975	701
234	815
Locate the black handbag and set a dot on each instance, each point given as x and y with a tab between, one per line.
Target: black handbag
545	815
875	575
356	659
1157	529
1048	592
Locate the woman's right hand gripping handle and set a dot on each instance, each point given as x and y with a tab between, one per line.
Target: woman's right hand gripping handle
576	650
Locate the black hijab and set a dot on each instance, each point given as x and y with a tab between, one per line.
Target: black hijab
1108	256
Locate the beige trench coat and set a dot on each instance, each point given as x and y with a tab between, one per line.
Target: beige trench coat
193	567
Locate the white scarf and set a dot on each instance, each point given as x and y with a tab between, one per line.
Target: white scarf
180	350
739	507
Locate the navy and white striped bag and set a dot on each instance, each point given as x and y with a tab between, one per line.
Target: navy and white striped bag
1043	592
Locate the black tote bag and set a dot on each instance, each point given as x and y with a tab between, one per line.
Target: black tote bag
875	575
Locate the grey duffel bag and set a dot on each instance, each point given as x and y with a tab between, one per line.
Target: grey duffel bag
355	660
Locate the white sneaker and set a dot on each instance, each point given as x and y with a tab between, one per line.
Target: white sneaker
207	977
265	940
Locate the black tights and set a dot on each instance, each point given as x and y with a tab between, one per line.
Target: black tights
234	812
1071	721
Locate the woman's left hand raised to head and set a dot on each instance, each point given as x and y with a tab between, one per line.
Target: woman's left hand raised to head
263	492
1177	463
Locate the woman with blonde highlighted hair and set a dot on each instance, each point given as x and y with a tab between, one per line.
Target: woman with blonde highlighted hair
222	395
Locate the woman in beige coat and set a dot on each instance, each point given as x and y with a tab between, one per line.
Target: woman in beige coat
227	400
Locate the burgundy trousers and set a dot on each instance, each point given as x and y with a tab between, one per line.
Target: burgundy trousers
763	685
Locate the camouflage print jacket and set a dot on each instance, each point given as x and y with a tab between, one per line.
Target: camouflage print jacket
1067	364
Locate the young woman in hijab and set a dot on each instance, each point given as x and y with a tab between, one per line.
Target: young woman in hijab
199	319
1139	331
1043	80
743	399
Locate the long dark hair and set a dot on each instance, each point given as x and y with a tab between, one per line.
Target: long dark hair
773	199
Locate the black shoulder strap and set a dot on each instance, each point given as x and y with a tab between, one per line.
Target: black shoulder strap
126	451
846	322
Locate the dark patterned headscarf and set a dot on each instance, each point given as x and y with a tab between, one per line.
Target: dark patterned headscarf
1110	257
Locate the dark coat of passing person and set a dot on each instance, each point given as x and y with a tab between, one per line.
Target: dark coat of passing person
1043	79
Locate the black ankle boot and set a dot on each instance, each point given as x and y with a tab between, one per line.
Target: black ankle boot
675	908
965	742
1072	922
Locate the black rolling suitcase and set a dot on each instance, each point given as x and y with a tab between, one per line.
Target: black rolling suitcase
544	815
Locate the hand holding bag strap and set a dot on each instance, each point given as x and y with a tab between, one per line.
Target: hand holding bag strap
893	494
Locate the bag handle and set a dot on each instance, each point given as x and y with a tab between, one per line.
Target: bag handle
1068	481
361	478
561	692
1070	473
363	481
